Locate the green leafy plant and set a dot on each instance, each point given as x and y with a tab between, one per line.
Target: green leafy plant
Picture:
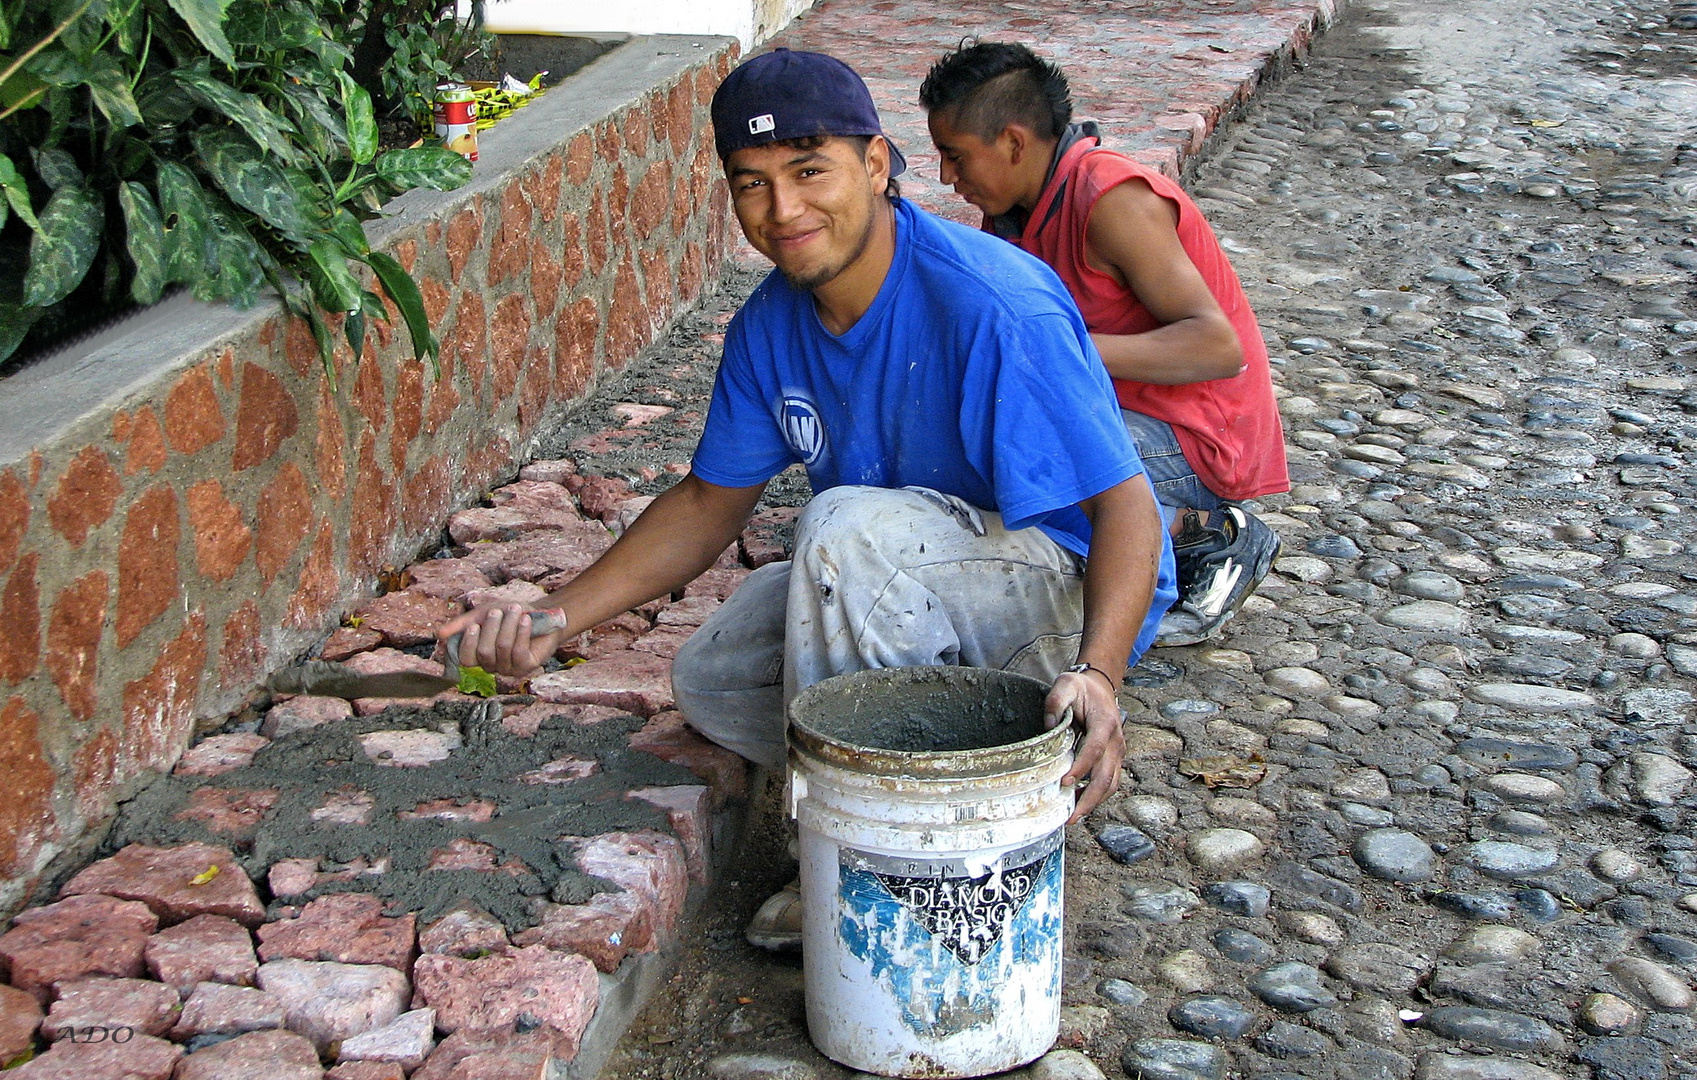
407	47
149	143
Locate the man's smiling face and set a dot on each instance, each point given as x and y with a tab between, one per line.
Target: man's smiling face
809	208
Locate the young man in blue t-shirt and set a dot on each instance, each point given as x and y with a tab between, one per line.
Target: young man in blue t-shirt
977	502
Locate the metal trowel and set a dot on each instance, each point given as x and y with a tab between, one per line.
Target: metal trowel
329	678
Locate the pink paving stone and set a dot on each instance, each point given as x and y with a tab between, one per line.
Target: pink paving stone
233	812
624	515
615	635
689	808
548	472
607	928
349	806
599	443
406	618
524	593
526	722
524	492
690	611
478	810
561	771
220	754
388	661
541	554
598	495
292	877
81	936
407	1041
20	1016
303	712
462	854
463	932
145	1007
509	522
142	1058
258	1055
664	641
490	1055
349	928
645	863
164	880
366	1070
372	706
328	1002
639	683
636	415
668	738
716	584
560	990
218	1009
446	579
206	948
345	641
410	748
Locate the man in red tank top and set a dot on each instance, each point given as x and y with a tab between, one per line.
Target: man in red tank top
1163	304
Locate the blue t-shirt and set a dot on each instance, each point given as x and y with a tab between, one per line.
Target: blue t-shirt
971	373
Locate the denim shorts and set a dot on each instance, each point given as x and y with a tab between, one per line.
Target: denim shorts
1176	483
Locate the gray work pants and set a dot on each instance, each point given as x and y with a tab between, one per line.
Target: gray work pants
881	578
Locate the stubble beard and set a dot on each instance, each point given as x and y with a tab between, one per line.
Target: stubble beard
813	279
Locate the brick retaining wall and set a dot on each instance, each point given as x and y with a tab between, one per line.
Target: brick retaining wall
184	511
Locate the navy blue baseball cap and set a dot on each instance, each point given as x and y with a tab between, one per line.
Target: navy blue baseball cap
785	94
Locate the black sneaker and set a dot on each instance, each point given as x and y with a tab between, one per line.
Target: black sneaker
1219	565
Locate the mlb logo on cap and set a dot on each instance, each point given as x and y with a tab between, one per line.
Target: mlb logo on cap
761	123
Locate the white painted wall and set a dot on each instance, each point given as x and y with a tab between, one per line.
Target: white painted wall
750	21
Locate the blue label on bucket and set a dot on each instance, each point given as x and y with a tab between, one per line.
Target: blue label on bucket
946	943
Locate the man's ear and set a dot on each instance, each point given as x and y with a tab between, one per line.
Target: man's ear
878	162
1015	142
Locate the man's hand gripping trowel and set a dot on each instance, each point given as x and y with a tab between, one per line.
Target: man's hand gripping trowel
329	678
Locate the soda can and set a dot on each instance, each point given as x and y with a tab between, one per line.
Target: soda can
456	119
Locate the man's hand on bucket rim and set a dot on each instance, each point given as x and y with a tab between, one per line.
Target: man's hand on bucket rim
1091	697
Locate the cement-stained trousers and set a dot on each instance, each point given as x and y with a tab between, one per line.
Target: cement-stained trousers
881	578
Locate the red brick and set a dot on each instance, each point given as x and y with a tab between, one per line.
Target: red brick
637	121
706	82
651	201
544	188
478	810
219	754
94	768
680	116
221	538
366	1070
546	275
283	517
464	931
215	1008
406	618
84	496
82	936
491	1055
370	397
318	583
73	641
227	365
668	738
627	321
345	641
645	863
20	1016
638	682
597	234
444	395
464	233
682	207
600	495
327	449
145	1007
605	930
26	813
235	813
20	613
607	141
539	555
571	251
163	879
328	1002
300	349
449	579
408	415
468	341
159	706
508	337
505	522
193	418
436	298
241	652
147	562
475	856
688	809
509	251
206	948
141	1058
576	332
265	417
347	806
580	158
657	272
257	1055
492	993
14	516
349	928
405	1041
488	457
374	495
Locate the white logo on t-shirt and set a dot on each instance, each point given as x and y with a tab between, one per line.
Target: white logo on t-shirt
758	124
802	428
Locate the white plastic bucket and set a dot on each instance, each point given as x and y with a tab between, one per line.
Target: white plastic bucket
930	811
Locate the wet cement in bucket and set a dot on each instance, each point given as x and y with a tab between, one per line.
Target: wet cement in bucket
925	710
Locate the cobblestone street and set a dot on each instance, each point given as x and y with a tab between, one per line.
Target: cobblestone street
1467	230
